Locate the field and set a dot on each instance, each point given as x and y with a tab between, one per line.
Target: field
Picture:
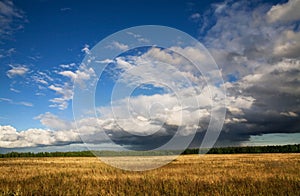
236	174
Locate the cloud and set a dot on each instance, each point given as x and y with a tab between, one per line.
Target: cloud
14	90
11	138
118	45
65	89
17	70
80	75
240	41
38	78
289	114
157	65
262	98
23	103
59	132
123	64
65	9
86	49
160	114
195	16
163	114
286	12
7	9
271	105
66	93
45	76
219	7
11	18
287	44
263	57
6	100
53	122
69	74
105	61
67	66
174	108
7	52
139	37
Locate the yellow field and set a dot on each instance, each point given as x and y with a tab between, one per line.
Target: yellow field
248	174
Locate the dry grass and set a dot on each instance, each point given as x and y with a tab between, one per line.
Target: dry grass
248	174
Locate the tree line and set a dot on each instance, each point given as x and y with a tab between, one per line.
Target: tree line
249	149
48	154
220	150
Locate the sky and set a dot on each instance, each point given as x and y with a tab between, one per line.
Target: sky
50	57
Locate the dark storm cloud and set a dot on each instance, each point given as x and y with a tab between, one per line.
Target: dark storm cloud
264	57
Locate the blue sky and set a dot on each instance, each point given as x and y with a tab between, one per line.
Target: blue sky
54	33
43	44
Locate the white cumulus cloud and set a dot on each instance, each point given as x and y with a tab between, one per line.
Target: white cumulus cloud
66	93
119	46
285	12
17	70
11	138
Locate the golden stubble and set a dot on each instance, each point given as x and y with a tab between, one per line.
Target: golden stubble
236	174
